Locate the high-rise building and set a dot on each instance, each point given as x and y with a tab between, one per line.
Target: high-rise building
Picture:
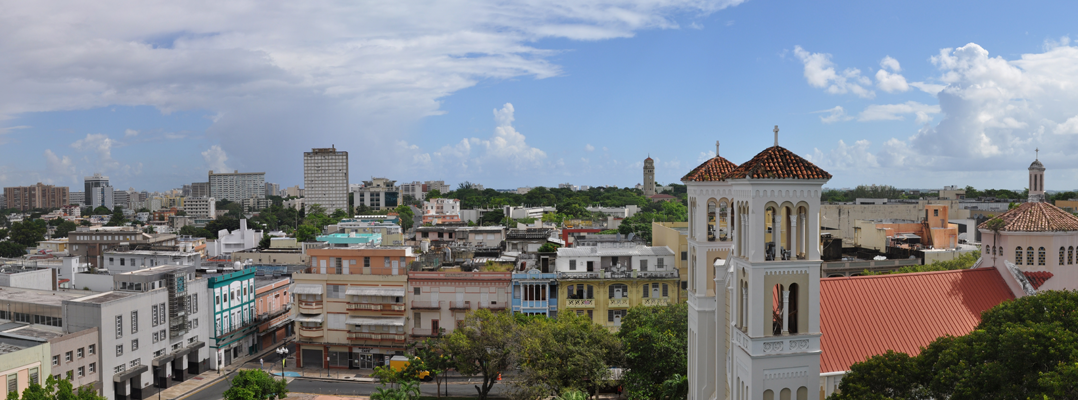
75	198
25	198
97	180
237	185
101	196
200	189
325	178
272	189
649	177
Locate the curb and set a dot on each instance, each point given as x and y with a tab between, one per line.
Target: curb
204	386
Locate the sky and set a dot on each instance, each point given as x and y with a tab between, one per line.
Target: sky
154	94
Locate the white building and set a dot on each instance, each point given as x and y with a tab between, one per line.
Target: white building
237	185
418	190
754	277
378	193
441	206
325	179
231	242
200	207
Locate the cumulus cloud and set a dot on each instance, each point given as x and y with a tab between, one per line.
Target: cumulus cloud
101	145
130	133
1068	127
884	112
505	150
59	166
215	158
589	148
820	72
890	81
845	156
834	114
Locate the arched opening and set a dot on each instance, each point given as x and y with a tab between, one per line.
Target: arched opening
1040	256
711	210
744	304
1061	253
802	393
1018	256
776	310
792	309
784	394
769	395
1029	255
771	233
724	221
1070	255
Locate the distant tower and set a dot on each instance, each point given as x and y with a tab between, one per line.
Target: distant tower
649	177
1036	180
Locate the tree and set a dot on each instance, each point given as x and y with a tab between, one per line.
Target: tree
482	344
645	332
64	228
434	194
117	217
255	384
430	359
9	249
101	210
406	215
963	261
264	243
55	389
568	352
194	231
306	233
548	248
27	232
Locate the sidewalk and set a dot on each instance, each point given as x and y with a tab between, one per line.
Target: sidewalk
210	377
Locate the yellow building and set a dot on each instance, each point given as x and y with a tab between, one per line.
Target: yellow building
605	280
675	235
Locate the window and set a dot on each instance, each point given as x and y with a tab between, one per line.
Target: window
217	300
82	370
55	360
659	263
615	315
121	263
935	213
134	322
35	376
119	350
367	260
666	289
136	362
1061	252
1040	256
644	265
572	265
1070	255
13	383
155	338
79	352
120	324
68	357
415	291
91	349
1029	256
153	316
617	291
120	368
92	367
1018	255
194	303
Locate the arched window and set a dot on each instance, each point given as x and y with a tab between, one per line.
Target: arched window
776	310
1070	255
1040	256
711	209
724	221
802	393
1001	250
618	291
792	312
1018	256
1061	259
1029	255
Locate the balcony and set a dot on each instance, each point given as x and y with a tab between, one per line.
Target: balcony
618	303
775	345
491	306
426	305
460	305
580	303
311	332
378	337
310	307
424	332
375	307
656	301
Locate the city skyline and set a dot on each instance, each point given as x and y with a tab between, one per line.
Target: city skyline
539	95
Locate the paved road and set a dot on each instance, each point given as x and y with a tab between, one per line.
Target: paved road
302	385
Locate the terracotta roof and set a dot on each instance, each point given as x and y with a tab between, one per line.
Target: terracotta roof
1036	217
865	316
778	163
710	170
1037	278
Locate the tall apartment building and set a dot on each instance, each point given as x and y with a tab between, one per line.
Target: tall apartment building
272	189
73	198
237	185
325	179
200	207
25	198
91	182
200	189
378	193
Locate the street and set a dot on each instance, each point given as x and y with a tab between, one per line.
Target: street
303	385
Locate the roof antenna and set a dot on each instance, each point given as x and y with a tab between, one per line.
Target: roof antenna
776	136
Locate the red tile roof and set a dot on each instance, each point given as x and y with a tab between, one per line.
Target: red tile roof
1037	278
710	170
778	163
865	316
1036	217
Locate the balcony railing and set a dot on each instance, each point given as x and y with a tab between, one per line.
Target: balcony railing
600	274
656	301
426	305
310	307
580	303
460	305
383	337
424	332
620	303
311	332
375	307
491	306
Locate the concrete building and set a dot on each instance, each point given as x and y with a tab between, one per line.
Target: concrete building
26	277
22	363
230	242
73	198
75	356
418	190
102	196
39	196
441	211
122	260
237	185
272	189
378	194
649	177
294	191
200	207
675	235
350	239
200	189
90	243
93	195
391	232
535	293
441	298
273	310
235	328
325	179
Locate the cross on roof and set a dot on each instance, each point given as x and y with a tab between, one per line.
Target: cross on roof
776	136
1038	150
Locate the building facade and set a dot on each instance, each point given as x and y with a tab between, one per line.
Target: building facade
649	177
273	310
26	198
235	241
440	299
378	194
535	293
325	179
90	244
200	207
75	356
235	328
418	190
237	186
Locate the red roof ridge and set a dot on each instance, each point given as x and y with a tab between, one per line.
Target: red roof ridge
777	162
907	274
713	169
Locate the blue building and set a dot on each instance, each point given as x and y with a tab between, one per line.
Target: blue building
535	293
234	325
349	239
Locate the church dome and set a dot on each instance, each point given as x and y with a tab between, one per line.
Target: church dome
1036	165
1036	217
778	163
714	169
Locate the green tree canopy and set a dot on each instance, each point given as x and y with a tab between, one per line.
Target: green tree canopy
28	232
307	233
569	352
482	344
255	384
647	331
10	249
406	215
55	389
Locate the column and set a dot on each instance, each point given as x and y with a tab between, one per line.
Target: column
785	312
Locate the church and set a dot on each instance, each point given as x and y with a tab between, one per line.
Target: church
764	325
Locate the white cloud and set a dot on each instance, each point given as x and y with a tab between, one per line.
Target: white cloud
884	112
505	150
820	72
130	132
589	148
215	158
1070	126
890	81
834	114
59	166
846	157
101	145
930	88
705	155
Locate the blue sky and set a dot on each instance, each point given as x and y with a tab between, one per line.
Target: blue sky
508	94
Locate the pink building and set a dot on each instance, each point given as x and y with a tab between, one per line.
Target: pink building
441	299
272	309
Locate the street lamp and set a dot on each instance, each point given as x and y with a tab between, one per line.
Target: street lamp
283	353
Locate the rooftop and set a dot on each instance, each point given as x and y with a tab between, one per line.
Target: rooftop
42	297
1036	217
154	253
163	269
106	297
711	170
620	249
777	163
33	332
867	315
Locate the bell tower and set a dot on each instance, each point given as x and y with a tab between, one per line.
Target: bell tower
649	177
1036	180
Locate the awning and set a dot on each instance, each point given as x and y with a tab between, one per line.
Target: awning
310	318
165	359
907	236
376	321
307	289
130	373
375	291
